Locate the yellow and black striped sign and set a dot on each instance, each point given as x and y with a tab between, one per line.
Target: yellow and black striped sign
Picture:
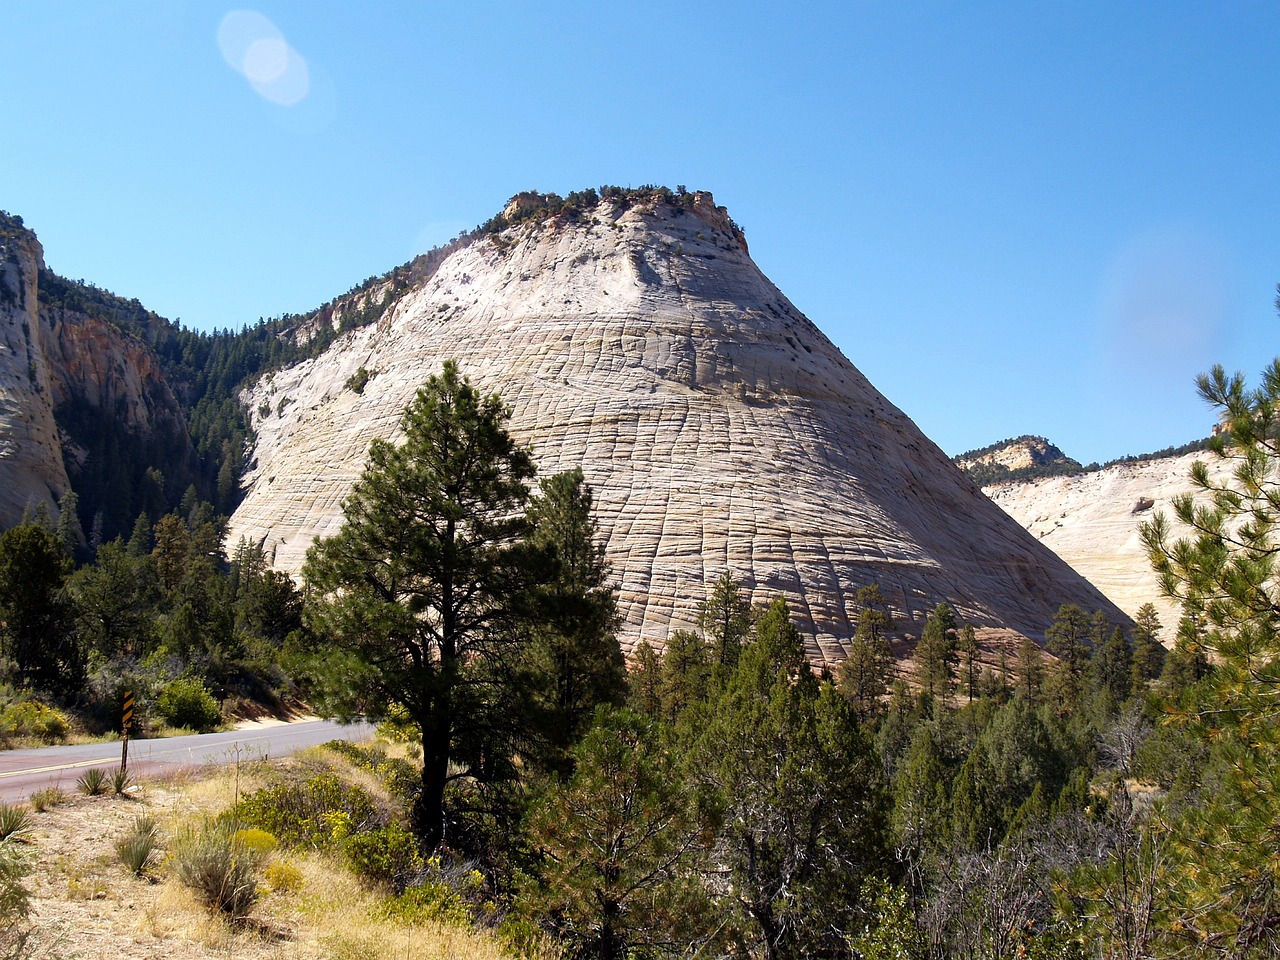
127	716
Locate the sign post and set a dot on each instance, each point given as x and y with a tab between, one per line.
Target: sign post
126	721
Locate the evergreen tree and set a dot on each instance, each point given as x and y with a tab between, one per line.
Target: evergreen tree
968	647
618	841
35	625
1030	670
1148	652
725	620
936	652
114	603
574	657
685	674
1221	567
423	595
1068	640
644	685
805	814
920	802
863	676
1112	666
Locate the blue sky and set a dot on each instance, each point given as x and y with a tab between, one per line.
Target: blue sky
1012	217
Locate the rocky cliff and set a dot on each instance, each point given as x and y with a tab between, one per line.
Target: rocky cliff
718	427
84	404
31	467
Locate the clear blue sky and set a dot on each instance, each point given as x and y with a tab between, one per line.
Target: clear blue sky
1012	217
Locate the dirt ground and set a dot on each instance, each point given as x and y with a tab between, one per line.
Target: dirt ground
87	906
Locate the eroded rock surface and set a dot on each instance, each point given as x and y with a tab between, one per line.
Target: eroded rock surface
31	468
1091	520
718	427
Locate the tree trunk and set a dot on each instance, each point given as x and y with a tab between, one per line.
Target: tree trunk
428	808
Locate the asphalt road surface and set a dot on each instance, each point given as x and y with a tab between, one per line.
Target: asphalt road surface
24	771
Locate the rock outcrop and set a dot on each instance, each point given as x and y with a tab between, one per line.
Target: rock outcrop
718	427
1091	520
32	473
84	405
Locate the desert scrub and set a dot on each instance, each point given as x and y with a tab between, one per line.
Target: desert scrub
398	775
46	799
283	877
220	871
186	702
318	812
137	847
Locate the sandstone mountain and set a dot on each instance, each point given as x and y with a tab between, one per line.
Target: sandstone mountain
1091	520
718	427
84	404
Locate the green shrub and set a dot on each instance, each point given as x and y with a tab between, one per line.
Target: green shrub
186	702
399	776
120	780
93	782
221	872
431	901
387	855
137	847
15	898
317	812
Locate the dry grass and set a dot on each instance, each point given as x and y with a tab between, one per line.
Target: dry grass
87	905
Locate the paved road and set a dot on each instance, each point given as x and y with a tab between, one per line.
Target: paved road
25	771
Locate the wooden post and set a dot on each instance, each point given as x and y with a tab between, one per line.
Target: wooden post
126	721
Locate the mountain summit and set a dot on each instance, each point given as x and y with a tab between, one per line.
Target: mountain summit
632	334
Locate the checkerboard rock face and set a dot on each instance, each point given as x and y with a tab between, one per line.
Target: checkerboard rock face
719	430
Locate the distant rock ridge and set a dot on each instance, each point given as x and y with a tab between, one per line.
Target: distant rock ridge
1021	458
718	427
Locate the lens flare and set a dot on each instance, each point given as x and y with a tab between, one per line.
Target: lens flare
255	48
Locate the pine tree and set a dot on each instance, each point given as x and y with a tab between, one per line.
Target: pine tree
686	673
1220	564
863	676
35	627
424	594
1030	670
804	810
725	620
573	657
968	647
1068	640
1148	652
644	684
936	652
618	841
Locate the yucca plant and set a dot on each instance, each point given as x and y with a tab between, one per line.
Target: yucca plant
93	782
138	846
14	821
120	780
